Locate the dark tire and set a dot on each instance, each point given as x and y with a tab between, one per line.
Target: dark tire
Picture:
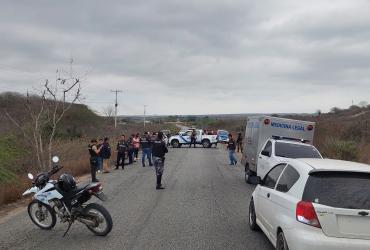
96	208
206	144
252	217
175	143
44	211
281	243
247	174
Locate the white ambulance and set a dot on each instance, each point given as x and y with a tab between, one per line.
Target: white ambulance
269	140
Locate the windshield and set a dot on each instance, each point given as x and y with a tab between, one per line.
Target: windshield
290	150
339	189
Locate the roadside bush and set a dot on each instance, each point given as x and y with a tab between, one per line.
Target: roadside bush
340	149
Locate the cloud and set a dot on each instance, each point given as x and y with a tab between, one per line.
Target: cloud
192	57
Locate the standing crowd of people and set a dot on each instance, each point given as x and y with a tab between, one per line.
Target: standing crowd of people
152	146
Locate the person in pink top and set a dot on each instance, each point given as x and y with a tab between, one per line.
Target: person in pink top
136	143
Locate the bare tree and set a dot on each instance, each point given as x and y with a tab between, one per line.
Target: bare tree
108	111
45	112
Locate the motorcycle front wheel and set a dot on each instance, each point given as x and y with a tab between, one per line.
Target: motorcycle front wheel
42	215
101	217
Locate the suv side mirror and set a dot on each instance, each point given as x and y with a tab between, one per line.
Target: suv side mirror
265	153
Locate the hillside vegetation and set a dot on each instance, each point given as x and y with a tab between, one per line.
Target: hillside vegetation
74	132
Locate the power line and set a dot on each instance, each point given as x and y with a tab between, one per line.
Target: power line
115	106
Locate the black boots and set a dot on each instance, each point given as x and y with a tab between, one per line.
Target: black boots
159	182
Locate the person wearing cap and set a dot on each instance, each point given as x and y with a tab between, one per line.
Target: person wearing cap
159	150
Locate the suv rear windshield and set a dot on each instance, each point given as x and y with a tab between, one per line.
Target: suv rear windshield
289	150
339	189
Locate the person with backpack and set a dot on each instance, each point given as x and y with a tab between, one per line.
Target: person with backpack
121	152
106	154
159	150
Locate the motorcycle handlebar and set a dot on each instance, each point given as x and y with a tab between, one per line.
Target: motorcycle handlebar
54	170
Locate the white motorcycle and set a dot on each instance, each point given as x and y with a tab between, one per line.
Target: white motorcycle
64	199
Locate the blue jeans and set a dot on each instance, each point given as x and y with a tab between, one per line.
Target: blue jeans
232	157
99	163
148	153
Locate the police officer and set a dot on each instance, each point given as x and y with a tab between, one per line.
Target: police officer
146	147
94	151
106	154
121	151
159	150
130	149
231	146
239	142
193	138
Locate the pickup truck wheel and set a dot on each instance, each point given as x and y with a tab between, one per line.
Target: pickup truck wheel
175	144
206	144
248	174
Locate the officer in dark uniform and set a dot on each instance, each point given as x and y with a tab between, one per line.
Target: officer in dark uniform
146	146
130	149
159	150
193	138
121	151
94	152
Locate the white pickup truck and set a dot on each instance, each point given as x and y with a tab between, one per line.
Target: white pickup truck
270	140
184	137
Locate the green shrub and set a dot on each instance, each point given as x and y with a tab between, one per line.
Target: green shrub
9	153
340	149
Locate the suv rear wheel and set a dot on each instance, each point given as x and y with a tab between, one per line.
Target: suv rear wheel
281	242
252	217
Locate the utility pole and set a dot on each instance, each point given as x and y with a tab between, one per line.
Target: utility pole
115	106
144	114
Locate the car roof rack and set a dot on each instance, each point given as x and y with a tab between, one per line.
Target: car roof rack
277	137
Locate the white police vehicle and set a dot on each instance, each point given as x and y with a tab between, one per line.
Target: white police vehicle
184	138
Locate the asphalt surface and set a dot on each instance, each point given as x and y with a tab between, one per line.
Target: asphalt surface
204	206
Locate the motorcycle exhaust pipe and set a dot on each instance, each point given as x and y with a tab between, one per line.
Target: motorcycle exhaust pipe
86	221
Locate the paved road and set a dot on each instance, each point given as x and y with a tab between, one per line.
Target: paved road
204	206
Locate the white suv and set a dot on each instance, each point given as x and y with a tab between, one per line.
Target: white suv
314	204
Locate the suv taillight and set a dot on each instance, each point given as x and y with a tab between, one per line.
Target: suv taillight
305	213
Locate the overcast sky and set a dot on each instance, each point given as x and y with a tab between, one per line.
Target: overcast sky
193	56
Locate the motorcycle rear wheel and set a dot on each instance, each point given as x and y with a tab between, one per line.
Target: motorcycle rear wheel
39	212
101	216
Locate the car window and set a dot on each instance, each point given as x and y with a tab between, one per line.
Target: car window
288	178
272	177
339	189
268	147
290	150
188	133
